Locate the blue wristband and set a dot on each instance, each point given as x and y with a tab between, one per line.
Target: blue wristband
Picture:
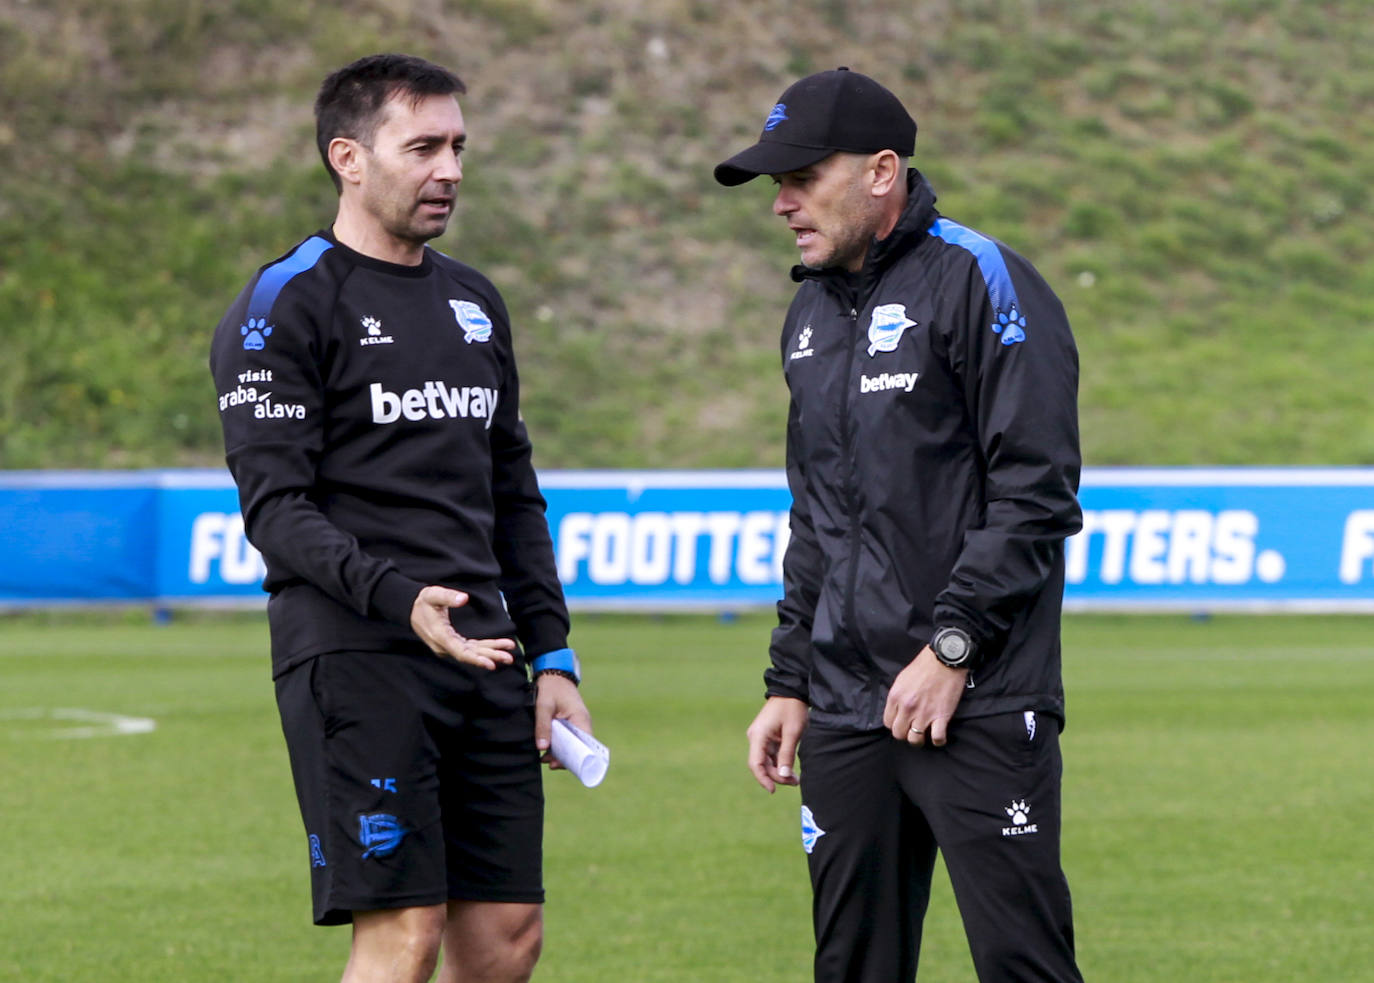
563	660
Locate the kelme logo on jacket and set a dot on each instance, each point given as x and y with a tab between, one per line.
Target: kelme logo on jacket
473	320
886	328
1011	326
435	401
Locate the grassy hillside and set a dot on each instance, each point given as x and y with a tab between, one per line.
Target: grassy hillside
1192	177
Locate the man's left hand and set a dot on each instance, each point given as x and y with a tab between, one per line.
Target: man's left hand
556	698
922	700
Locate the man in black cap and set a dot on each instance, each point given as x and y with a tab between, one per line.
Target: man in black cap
932	456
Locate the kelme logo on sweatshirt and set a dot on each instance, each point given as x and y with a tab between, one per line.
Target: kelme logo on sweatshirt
255	333
374	336
434	401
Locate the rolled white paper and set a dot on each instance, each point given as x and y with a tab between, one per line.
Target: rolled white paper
580	753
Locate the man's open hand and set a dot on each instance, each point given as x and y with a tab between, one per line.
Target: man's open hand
429	619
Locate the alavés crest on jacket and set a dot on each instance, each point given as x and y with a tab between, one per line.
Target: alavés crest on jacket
886	328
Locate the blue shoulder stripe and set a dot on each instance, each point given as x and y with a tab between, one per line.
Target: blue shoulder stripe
276	276
990	261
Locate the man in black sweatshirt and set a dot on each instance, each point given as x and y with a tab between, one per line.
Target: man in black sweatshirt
932	455
370	405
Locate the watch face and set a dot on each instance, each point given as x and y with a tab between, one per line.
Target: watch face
952	647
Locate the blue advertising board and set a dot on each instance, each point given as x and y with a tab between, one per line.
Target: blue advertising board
1153	539
669	539
76	536
1228	539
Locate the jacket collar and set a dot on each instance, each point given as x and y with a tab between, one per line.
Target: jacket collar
911	227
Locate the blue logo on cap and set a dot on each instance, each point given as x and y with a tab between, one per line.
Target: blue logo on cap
778	114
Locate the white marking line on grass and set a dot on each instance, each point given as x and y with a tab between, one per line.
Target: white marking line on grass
99	723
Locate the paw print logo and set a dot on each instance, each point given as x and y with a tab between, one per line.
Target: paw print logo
255	334
804	339
1011	325
374	326
1019	812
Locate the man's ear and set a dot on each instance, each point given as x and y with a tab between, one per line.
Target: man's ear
345	156
887	171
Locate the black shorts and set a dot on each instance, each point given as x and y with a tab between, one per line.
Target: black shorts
876	810
417	778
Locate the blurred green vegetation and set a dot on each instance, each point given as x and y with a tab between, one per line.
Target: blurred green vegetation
1192	177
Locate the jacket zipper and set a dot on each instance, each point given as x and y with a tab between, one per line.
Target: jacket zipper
855	526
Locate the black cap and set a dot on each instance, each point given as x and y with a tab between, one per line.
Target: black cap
823	113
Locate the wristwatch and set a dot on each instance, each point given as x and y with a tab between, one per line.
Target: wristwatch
955	648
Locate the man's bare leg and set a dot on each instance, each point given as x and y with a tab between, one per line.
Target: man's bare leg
396	945
491	942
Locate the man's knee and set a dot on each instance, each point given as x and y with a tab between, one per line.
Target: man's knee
402	943
495	943
523	946
421	932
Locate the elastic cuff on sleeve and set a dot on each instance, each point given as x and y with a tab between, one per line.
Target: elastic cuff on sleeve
945	615
394	597
776	689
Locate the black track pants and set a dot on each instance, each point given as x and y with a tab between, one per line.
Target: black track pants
876	809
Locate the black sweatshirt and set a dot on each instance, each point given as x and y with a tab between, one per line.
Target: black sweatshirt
371	421
932	454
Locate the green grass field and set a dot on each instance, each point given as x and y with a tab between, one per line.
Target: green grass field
1219	803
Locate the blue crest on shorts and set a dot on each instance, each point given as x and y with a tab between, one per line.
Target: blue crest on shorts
380	834
810	831
775	116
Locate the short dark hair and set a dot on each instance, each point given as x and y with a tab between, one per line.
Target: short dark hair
351	99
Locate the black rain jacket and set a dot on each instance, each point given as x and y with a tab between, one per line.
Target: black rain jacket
933	460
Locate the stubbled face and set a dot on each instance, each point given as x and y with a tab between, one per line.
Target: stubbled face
412	169
831	211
